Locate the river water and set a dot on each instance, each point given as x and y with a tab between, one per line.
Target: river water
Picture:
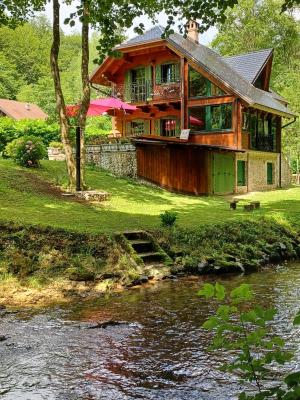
160	354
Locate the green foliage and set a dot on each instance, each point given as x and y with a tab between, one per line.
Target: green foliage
226	247
253	25
98	126
46	253
26	74
11	129
168	218
26	151
243	329
56	145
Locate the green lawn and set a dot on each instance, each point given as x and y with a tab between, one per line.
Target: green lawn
26	197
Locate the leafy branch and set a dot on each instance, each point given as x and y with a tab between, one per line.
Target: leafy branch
244	329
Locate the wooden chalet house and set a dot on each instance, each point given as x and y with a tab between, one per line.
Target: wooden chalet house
234	143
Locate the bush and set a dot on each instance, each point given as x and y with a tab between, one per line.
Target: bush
56	145
11	129
168	218
26	151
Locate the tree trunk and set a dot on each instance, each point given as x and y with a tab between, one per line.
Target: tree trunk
86	92
60	102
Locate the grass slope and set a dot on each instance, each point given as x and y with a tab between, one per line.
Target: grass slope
26	196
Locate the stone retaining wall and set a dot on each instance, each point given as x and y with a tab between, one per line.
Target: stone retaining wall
119	159
55	154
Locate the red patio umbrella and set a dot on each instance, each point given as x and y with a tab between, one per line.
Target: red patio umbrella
93	110
112	102
100	106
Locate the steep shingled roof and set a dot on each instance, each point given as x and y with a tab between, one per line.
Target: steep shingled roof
18	110
152	34
217	66
250	64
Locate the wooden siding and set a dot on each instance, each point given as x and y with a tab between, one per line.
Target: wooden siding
227	139
176	167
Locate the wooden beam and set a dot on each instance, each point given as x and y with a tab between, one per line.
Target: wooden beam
238	128
210	101
182	93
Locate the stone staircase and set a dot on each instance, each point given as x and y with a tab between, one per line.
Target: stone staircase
145	247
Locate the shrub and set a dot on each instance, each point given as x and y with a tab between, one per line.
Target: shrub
56	145
26	151
10	130
168	218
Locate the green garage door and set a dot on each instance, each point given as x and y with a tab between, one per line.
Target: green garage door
223	173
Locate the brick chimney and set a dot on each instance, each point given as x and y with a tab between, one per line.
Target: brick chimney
192	31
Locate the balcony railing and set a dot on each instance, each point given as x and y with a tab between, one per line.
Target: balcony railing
263	142
147	92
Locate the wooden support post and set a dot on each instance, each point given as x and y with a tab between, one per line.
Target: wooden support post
182	93
238	126
78	180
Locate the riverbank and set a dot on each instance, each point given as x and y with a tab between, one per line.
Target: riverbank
40	266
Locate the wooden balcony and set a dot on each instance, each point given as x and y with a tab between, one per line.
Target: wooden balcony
147	92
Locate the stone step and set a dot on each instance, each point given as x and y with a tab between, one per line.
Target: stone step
142	246
151	257
134	235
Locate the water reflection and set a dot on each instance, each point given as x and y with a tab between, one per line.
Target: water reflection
161	354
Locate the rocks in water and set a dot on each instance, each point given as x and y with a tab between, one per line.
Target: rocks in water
106	324
3	338
203	267
140	280
178	269
108	275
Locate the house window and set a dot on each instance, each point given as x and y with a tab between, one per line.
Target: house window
210	118
270	173
168	127
167	73
199	86
262	129
241	173
246	121
138	84
137	127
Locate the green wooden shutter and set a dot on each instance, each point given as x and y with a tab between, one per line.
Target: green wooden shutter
127	82
241	173
158	74
208	118
177	72
148	81
147	127
177	128
157	127
208	88
128	128
269	173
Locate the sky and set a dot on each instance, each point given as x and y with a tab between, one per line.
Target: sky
205	38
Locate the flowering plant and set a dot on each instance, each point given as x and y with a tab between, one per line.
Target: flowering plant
26	151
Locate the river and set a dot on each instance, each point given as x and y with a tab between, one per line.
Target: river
160	354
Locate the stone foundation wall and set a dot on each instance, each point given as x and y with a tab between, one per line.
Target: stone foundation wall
256	171
55	154
257	167
286	173
119	159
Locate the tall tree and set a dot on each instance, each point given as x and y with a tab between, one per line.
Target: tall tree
60	101
254	25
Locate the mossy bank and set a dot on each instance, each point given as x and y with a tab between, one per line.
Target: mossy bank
46	265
